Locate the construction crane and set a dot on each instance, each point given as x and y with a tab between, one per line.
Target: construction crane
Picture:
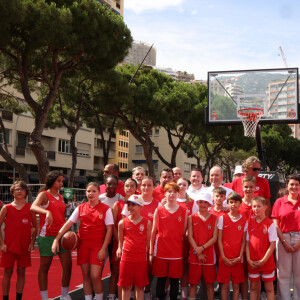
283	56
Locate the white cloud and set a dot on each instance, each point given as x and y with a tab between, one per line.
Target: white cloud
194	12
139	6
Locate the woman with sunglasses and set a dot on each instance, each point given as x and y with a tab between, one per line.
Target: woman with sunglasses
251	167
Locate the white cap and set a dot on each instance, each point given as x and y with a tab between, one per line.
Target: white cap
238	170
203	196
136	199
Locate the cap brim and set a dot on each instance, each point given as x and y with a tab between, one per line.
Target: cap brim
134	202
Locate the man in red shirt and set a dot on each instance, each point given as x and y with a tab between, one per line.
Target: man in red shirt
112	169
166	176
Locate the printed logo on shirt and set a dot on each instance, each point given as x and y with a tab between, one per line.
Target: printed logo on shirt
195	224
257	188
240	227
265	230
142	227
226	226
252	216
179	219
100	216
150	215
25	221
298	207
83	214
209	227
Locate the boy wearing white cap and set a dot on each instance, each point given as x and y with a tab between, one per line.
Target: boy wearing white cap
202	231
134	238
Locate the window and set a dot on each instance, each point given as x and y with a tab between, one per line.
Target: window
156	133
7	135
155	166
187	167
22	140
139	149
64	146
83	149
7	115
118	5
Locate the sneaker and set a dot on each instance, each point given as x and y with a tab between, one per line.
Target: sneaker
68	297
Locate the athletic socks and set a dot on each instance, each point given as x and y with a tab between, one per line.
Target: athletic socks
44	295
184	292
147	295
99	296
64	291
19	296
111	296
88	297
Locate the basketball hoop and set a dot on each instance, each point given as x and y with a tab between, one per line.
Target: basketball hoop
291	114
213	116
250	118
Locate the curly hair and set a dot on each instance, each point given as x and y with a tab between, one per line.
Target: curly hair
249	162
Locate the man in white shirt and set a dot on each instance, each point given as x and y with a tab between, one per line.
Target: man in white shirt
196	183
216	177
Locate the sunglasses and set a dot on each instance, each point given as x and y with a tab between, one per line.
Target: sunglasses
18	190
256	169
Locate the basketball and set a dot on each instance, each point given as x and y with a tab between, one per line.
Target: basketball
69	241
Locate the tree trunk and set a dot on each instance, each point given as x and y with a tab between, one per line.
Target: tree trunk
74	158
148	153
19	167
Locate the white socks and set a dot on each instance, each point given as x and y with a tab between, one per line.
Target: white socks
44	295
64	291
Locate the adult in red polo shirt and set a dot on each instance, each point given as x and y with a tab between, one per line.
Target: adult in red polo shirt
166	176
112	169
286	216
251	167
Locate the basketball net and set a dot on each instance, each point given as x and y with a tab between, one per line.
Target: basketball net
250	118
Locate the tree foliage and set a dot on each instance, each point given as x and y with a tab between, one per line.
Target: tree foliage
41	41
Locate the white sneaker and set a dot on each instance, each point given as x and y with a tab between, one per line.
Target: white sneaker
68	297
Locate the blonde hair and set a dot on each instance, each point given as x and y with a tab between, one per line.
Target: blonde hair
249	178
260	199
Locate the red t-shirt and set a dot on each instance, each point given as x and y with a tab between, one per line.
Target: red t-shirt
135	241
158	193
119	189
202	233
148	210
218	214
168	243
120	205
233	233
57	207
228	185
18	229
262	187
188	206
287	214
92	229
259	243
246	210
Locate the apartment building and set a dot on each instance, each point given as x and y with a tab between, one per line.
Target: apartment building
160	138
117	6
56	143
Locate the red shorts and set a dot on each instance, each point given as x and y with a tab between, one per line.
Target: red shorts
265	276
167	267
133	273
88	255
9	258
236	272
195	272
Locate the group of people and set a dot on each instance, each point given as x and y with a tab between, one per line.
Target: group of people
180	233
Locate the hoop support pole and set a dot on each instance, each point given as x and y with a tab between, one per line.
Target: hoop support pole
260	149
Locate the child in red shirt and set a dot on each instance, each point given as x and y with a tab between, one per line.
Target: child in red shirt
232	232
20	234
260	245
166	247
134	238
202	231
130	187
219	196
95	232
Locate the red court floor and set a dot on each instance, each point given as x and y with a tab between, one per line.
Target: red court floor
31	290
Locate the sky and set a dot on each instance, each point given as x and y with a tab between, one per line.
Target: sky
199	36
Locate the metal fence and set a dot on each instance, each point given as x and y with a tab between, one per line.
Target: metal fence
7	197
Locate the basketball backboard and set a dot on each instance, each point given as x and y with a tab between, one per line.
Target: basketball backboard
275	91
